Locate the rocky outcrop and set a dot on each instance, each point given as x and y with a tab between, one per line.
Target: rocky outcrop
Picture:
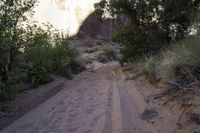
67	15
75	17
99	29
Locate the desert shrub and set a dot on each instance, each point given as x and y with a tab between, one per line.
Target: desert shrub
28	52
139	42
8	89
152	24
66	59
185	61
38	75
178	64
49	50
11	35
149	67
101	57
5	92
36	54
179	70
46	51
14	83
106	54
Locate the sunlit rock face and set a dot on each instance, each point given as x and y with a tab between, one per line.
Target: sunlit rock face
95	28
67	15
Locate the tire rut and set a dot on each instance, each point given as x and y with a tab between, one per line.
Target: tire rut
93	102
130	118
80	107
108	124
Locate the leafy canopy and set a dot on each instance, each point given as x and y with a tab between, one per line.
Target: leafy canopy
152	23
12	13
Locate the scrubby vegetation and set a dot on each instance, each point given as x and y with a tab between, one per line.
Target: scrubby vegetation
156	38
149	67
183	61
107	53
152	24
178	67
50	51
178	64
28	52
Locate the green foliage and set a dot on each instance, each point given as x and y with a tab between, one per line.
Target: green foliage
185	61
178	65
11	40
12	14
28	53
175	17
100	8
139	42
106	54
65	57
149	67
38	75
48	50
152	24
8	89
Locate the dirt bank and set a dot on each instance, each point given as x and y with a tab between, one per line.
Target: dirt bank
28	99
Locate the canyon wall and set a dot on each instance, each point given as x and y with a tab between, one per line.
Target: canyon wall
67	15
76	17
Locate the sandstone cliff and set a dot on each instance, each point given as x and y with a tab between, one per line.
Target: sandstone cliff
75	17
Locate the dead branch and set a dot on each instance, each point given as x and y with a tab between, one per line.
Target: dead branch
180	117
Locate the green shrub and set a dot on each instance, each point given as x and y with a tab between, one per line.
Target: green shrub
8	89
29	52
12	33
149	67
179	64
185	61
149	25
38	75
106	54
36	54
65	57
48	50
138	42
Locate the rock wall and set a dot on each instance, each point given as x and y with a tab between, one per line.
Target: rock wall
75	17
67	15
98	29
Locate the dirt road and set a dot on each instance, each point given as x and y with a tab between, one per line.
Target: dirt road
99	101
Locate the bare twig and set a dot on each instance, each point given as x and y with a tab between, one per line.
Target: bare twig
181	116
193	84
174	83
192	76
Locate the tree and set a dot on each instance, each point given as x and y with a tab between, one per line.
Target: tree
12	14
142	35
175	17
152	23
138	11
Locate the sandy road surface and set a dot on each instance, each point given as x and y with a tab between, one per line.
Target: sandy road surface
93	102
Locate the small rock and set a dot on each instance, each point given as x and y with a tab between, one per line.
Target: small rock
149	114
98	43
195	117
